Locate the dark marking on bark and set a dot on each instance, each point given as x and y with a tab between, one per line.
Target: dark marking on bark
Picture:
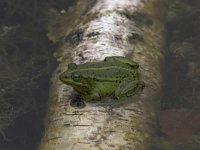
82	111
139	18
135	37
110	131
119	115
74	37
118	37
123	119
77	103
62	105
97	145
81	125
78	114
83	142
102	111
57	119
92	34
67	124
134	110
58	71
54	138
91	16
111	145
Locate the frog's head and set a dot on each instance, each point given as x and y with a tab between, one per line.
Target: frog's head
74	78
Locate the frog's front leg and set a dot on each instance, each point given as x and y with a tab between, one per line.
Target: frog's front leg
91	97
128	88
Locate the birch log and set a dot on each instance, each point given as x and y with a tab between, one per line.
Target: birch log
109	28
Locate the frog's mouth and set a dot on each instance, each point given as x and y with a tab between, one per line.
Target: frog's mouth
73	83
76	85
79	87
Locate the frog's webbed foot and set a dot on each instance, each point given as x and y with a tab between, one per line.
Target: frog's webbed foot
129	88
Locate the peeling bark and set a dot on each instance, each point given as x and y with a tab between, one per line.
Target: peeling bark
110	28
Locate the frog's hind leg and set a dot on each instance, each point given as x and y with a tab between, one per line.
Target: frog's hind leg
129	88
124	60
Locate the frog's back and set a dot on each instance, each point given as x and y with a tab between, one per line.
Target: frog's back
111	73
103	64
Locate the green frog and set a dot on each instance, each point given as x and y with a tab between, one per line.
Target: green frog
115	75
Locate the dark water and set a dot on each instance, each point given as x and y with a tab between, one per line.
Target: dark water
180	115
26	62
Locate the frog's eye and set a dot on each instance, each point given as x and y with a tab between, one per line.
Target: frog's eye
76	76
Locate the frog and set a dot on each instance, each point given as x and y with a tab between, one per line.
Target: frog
115	76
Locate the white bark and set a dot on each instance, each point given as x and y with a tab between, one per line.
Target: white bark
108	30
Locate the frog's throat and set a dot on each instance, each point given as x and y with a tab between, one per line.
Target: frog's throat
82	90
